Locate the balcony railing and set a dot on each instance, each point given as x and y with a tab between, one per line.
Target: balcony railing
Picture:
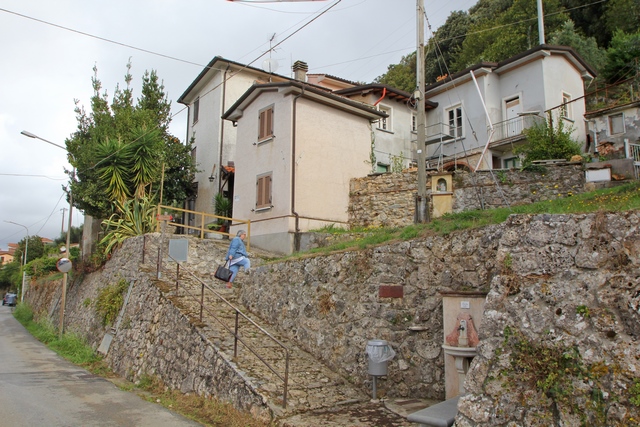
512	128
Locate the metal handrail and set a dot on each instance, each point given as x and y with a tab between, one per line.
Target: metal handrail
234	332
514	127
201	228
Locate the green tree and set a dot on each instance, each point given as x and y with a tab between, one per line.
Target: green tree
623	57
10	275
587	47
588	20
445	45
622	15
544	142
401	76
504	28
35	249
119	148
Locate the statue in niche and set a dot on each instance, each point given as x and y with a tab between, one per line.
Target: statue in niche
442	185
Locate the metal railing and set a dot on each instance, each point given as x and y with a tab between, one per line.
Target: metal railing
205	220
634	153
514	127
199	299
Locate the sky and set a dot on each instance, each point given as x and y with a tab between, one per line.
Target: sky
48	50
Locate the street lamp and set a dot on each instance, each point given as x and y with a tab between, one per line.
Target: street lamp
24	258
63	302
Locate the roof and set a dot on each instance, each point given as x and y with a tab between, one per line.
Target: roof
572	56
220	61
390	92
611	109
306	90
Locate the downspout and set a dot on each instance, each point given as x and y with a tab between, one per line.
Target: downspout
296	236
224	96
384	93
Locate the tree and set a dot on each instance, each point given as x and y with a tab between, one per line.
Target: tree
623	57
445	45
622	15
118	149
588	20
544	141
35	249
401	76
504	28
587	47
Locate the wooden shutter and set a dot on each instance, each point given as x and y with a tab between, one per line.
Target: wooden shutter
263	192
265	127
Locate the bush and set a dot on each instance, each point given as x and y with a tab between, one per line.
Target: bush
110	300
40	267
545	142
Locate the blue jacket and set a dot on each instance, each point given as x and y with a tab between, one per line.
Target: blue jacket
236	248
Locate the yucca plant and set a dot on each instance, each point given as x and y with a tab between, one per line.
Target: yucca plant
134	217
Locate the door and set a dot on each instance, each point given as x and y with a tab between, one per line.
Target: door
514	120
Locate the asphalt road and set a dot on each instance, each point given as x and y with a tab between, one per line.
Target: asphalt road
39	388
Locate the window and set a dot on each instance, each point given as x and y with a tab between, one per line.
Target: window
265	124
385	122
382	168
616	124
513	162
565	109
263	191
196	110
414	123
454	121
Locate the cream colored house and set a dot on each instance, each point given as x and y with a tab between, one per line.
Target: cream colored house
216	88
517	92
298	146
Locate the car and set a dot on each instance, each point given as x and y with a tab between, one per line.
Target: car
9	299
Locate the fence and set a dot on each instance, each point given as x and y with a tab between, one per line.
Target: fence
166	213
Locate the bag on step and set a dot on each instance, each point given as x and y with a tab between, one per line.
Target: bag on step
223	273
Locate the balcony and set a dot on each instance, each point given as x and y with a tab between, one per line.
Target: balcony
511	130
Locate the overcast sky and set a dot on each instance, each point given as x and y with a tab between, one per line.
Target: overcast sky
48	49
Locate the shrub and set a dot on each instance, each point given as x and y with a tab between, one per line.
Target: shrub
546	142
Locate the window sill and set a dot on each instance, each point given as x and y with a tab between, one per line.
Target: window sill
385	131
266	140
263	209
568	119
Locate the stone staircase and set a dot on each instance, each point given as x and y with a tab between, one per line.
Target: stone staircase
316	395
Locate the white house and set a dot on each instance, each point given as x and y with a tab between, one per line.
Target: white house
298	146
510	95
394	136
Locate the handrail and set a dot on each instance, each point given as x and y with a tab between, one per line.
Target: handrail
235	334
203	216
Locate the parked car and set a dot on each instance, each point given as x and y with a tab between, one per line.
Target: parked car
9	299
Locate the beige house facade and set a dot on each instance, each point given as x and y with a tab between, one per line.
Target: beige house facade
298	148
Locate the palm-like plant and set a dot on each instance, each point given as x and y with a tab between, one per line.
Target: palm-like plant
133	218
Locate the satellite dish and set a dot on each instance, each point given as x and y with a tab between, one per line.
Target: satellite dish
270	65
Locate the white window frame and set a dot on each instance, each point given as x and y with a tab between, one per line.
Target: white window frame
385	123
458	131
609	123
565	108
196	110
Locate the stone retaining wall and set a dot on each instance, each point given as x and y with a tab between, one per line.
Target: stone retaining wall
155	338
389	199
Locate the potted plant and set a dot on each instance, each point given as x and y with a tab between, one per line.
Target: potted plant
223	207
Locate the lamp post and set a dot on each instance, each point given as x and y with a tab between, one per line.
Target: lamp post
24	257
63	302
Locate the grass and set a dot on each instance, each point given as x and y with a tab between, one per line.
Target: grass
206	411
617	199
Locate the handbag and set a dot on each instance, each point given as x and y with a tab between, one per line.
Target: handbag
223	273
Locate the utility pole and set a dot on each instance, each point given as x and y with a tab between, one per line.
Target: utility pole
63	211
540	23
422	206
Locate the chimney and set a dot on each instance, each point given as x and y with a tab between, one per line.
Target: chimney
300	69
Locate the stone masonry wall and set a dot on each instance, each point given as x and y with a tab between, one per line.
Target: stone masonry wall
389	199
559	335
155	338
